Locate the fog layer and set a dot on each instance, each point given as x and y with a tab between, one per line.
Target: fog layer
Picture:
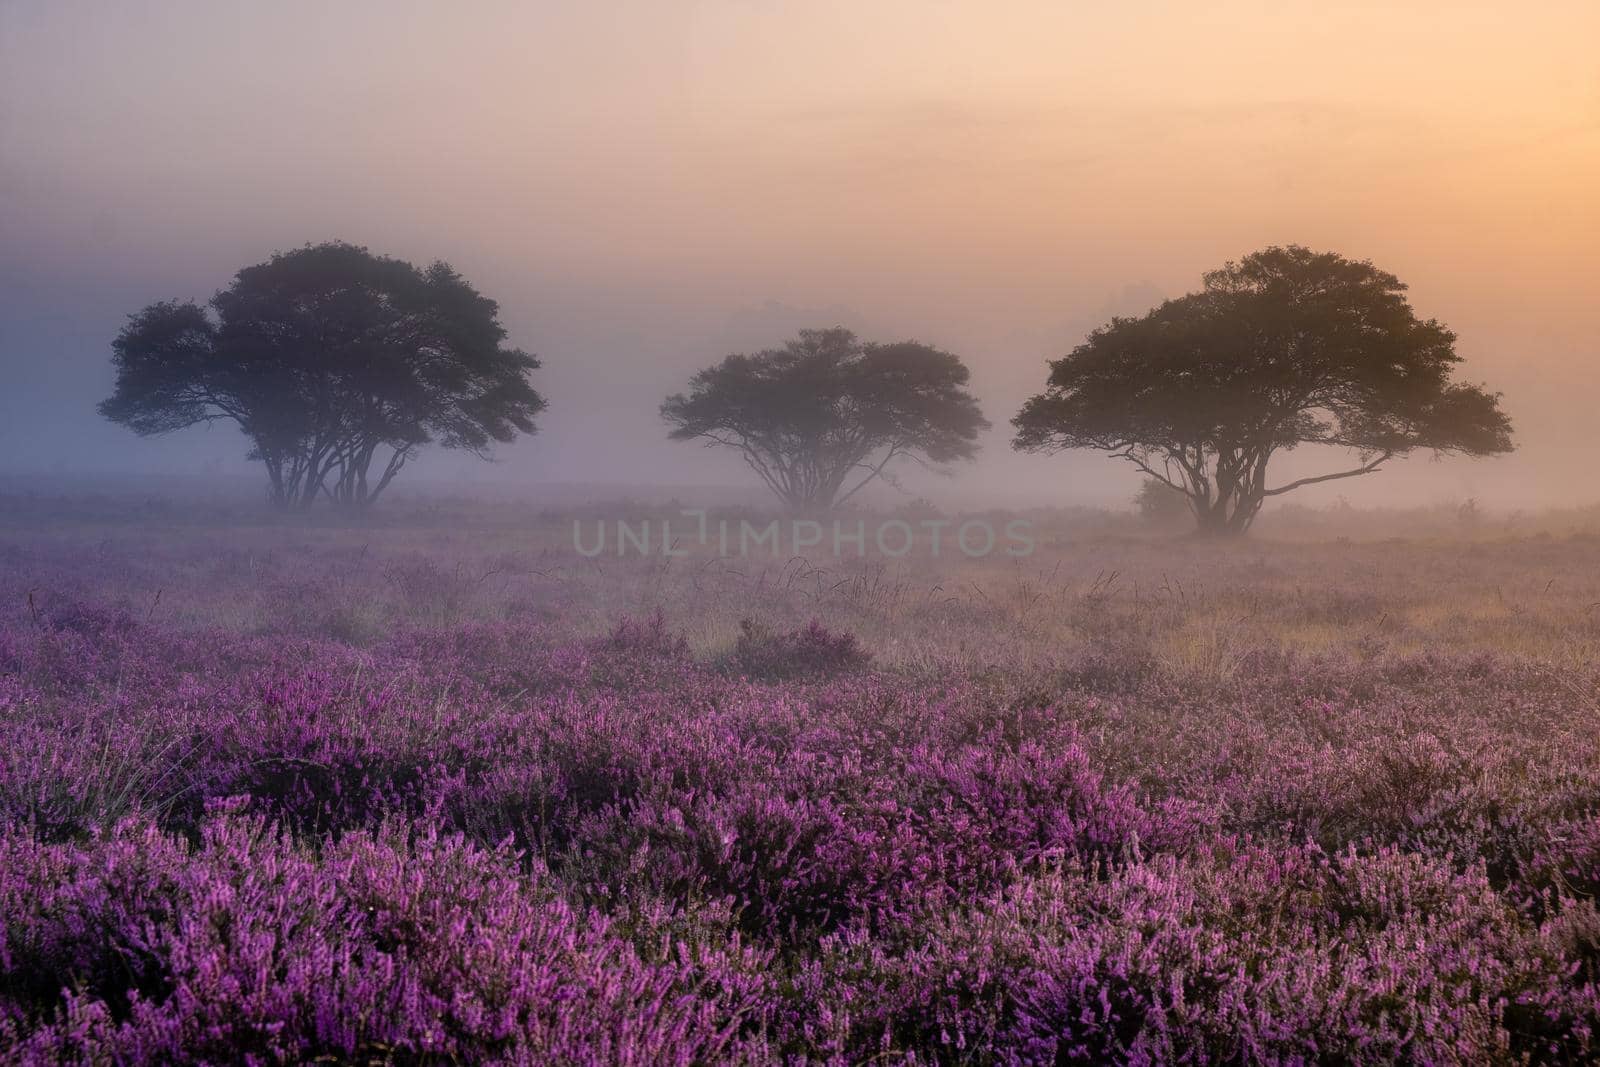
646	187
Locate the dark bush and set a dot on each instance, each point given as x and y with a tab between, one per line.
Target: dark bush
811	650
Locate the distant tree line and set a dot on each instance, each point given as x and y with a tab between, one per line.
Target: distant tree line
339	366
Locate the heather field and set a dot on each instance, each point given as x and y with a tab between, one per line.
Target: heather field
434	788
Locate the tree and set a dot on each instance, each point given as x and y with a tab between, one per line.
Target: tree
821	417
337	364
1287	347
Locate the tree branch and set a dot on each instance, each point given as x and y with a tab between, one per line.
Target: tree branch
1367	469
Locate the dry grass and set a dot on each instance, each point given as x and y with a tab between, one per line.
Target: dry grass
1193	605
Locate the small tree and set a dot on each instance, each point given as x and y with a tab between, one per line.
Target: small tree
1285	348
337	364
826	414
1160	505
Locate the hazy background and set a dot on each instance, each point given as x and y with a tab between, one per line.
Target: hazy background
646	187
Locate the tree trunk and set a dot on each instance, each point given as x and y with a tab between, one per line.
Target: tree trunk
1211	518
1229	515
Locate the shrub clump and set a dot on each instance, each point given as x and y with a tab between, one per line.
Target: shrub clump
136	947
648	637
810	650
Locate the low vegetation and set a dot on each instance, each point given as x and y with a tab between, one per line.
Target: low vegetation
384	794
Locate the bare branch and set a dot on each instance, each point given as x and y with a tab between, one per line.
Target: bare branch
1357	472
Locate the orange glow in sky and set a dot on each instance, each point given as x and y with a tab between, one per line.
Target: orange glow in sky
645	186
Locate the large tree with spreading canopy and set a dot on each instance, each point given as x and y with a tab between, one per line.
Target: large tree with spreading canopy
1287	347
337	364
822	417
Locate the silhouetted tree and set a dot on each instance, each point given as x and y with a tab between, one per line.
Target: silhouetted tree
337	364
1284	348
824	415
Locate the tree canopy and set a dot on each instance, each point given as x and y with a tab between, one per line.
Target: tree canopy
1286	347
824	415
337	364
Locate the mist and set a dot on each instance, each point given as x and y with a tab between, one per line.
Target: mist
714	722
646	188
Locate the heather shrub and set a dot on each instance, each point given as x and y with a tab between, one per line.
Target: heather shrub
1568	857
434	595
1220	958
766	858
802	849
143	950
811	650
93	622
647	637
1342	607
476	831
324	606
1115	663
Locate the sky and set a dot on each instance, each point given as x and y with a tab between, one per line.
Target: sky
646	187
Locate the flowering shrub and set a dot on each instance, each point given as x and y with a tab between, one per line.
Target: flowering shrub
133	946
493	840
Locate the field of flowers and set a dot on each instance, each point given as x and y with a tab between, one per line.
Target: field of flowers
430	792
